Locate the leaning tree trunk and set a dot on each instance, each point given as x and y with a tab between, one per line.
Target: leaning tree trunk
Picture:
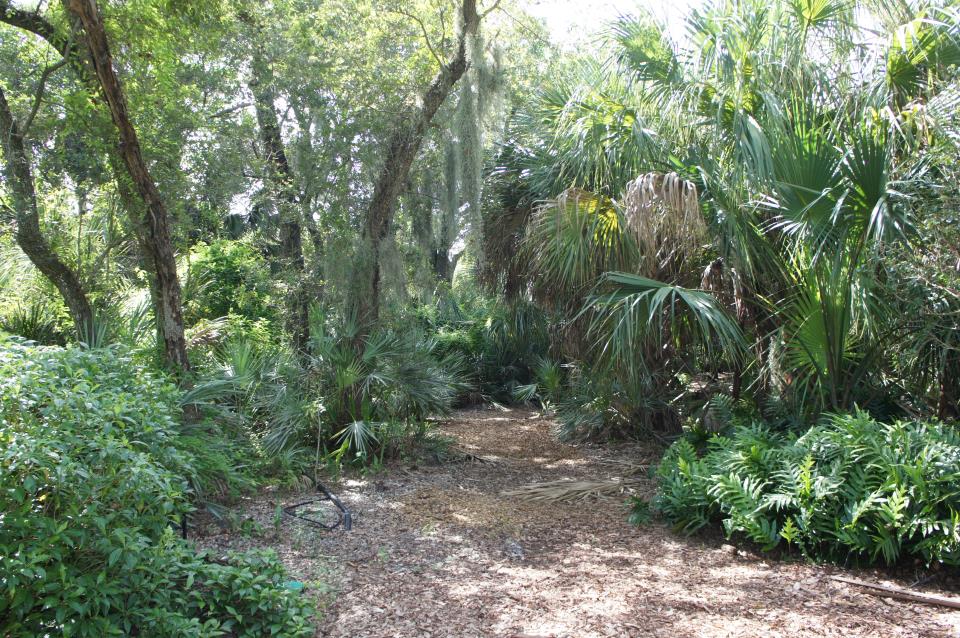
281	177
156	241
401	151
29	237
68	47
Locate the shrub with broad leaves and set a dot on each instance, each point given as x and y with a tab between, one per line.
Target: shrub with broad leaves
91	486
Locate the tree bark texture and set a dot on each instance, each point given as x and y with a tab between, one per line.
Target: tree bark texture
157	242
402	149
29	236
281	177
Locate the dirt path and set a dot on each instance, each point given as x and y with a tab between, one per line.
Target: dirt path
438	551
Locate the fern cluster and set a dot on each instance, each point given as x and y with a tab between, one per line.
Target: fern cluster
850	489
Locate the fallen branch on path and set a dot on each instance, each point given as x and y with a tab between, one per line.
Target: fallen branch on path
877	589
564	490
470	457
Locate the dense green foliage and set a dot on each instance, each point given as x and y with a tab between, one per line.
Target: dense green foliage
355	404
736	212
757	211
92	489
376	211
335	397
851	489
499	345
228	277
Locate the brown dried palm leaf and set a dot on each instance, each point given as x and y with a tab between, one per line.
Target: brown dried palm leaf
567	490
726	285
663	211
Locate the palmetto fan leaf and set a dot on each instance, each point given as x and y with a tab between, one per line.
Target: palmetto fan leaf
873	206
572	240
596	134
358	436
812	14
919	47
644	315
646	52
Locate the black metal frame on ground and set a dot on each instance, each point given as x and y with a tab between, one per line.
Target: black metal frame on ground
343	514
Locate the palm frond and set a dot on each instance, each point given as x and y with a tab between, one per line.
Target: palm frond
642	315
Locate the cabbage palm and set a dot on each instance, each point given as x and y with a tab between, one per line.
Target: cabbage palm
797	129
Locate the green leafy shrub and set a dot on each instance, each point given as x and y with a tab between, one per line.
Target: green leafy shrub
227	277
849	489
91	480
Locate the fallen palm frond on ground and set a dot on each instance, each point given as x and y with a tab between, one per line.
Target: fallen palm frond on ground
625	468
889	591
566	490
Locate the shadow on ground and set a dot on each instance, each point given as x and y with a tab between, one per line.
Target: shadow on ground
439	551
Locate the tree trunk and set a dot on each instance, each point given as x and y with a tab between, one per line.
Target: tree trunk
280	176
443	263
29	237
948	402
33	22
156	241
134	208
401	151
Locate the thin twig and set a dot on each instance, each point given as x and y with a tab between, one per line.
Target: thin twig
492	8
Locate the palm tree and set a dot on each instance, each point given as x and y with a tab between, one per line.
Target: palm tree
775	154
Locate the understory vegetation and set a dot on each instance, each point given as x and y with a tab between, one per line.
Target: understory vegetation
97	475
850	489
248	245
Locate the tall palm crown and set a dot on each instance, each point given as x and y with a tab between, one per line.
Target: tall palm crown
806	131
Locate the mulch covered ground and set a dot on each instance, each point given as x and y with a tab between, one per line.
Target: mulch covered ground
440	551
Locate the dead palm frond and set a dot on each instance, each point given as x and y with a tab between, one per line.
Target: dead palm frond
569	490
663	211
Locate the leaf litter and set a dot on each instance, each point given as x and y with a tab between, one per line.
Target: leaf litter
467	549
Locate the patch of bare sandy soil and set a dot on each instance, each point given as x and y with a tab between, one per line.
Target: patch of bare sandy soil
441	551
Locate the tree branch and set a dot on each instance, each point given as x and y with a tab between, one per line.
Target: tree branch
229	110
35	23
426	35
47	72
29	237
492	8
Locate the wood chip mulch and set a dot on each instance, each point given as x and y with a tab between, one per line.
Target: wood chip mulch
438	551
